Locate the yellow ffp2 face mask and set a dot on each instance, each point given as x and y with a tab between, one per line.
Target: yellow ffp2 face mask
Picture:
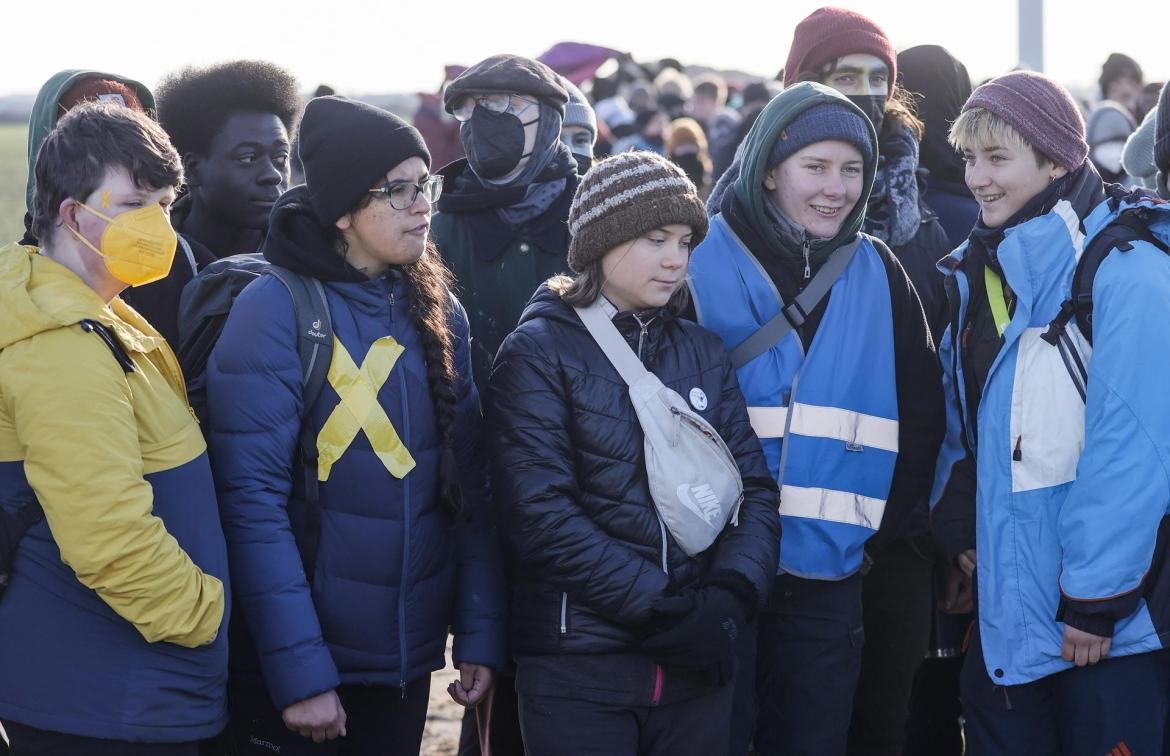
138	246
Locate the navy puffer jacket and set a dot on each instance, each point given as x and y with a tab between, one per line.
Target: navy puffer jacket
393	570
569	478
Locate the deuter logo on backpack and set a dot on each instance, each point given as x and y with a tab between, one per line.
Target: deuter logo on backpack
315	330
701	499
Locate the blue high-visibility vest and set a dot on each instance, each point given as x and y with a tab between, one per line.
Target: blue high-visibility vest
828	419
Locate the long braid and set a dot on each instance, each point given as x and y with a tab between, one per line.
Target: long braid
430	282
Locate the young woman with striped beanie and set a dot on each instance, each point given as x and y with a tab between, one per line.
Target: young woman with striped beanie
623	642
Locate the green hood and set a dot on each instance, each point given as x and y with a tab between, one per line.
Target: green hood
782	110
44	114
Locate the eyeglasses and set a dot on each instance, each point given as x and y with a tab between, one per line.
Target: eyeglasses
496	102
403	194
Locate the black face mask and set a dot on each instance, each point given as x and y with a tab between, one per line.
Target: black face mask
494	142
874	107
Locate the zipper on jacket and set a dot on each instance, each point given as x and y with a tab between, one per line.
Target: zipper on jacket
642	335
1018	453
564	613
662	528
658	680
405	532
807	266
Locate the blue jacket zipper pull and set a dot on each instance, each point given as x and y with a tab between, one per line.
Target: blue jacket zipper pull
807	266
1018	454
402	686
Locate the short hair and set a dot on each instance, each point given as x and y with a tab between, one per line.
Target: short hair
1116	66
194	103
89	140
979	127
713	86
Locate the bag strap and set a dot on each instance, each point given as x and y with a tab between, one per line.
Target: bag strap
189	254
111	340
315	347
793	315
596	318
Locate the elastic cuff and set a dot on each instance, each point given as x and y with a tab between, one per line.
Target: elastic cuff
1096	624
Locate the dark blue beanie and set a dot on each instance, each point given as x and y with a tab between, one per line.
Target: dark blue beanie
821	123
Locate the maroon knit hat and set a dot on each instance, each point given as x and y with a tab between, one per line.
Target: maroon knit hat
1041	111
831	33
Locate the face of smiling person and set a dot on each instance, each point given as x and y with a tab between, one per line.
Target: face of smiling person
379	235
645	273
1004	178
818	186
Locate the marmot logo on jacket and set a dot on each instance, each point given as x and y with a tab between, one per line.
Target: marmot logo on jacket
359	409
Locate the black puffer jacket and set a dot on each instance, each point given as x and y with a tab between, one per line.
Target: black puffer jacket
570	482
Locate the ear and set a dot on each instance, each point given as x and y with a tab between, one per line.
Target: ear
1059	171
191	166
67	213
770	180
343	223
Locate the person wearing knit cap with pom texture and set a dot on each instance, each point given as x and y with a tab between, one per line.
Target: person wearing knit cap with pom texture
348	599
789	211
1041	488
623	643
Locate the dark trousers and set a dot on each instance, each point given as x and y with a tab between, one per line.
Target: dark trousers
896	605
380	721
808	658
1118	706
572	727
934	728
29	741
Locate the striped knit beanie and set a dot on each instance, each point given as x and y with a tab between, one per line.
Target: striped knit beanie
623	197
1041	111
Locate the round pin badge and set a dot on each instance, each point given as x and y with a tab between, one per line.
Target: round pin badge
698	399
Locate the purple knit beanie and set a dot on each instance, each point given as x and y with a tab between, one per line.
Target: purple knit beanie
1041	111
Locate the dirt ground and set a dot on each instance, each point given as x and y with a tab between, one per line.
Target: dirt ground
444	716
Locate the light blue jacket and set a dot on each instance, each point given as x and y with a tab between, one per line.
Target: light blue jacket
1071	493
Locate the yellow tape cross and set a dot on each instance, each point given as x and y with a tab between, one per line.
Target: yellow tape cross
359	409
106	198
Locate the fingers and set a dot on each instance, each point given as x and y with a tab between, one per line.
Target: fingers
1105	647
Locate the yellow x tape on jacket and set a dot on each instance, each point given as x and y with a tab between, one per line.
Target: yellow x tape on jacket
359	409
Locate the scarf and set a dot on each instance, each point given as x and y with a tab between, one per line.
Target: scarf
893	213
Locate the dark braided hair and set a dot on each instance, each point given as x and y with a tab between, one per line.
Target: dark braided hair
429	282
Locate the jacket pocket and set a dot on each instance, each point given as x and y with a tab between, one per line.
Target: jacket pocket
1047	429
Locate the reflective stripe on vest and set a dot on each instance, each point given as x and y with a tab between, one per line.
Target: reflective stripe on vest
359	409
826	422
834	506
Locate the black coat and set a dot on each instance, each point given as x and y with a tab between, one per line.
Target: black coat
569	478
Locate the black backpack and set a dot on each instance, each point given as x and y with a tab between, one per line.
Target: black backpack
203	309
1132	225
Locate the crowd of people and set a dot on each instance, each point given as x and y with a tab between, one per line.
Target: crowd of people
821	414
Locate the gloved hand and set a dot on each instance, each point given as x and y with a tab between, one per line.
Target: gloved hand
12	528
702	635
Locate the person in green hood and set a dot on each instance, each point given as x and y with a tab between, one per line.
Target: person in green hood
836	362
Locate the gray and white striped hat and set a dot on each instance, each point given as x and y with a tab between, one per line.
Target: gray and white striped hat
623	197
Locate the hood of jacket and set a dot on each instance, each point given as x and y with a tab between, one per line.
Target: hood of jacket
44	114
296	240
745	178
38	294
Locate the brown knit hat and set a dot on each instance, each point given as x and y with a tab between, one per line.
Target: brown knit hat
623	197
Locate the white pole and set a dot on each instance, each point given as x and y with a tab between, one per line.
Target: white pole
1032	34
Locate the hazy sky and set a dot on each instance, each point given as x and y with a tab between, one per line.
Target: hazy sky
394	46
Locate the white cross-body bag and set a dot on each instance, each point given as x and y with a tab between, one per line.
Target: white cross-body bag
694	481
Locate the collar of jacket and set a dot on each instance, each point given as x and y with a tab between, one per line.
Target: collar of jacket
489	235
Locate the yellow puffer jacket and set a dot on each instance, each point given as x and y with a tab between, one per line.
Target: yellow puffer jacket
113	617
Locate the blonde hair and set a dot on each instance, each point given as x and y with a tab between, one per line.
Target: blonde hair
980	128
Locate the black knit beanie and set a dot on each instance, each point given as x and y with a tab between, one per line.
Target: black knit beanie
347	147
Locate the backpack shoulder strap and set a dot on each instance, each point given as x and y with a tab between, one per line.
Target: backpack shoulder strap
314	329
189	254
315	347
111	341
607	336
793	315
1130	226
